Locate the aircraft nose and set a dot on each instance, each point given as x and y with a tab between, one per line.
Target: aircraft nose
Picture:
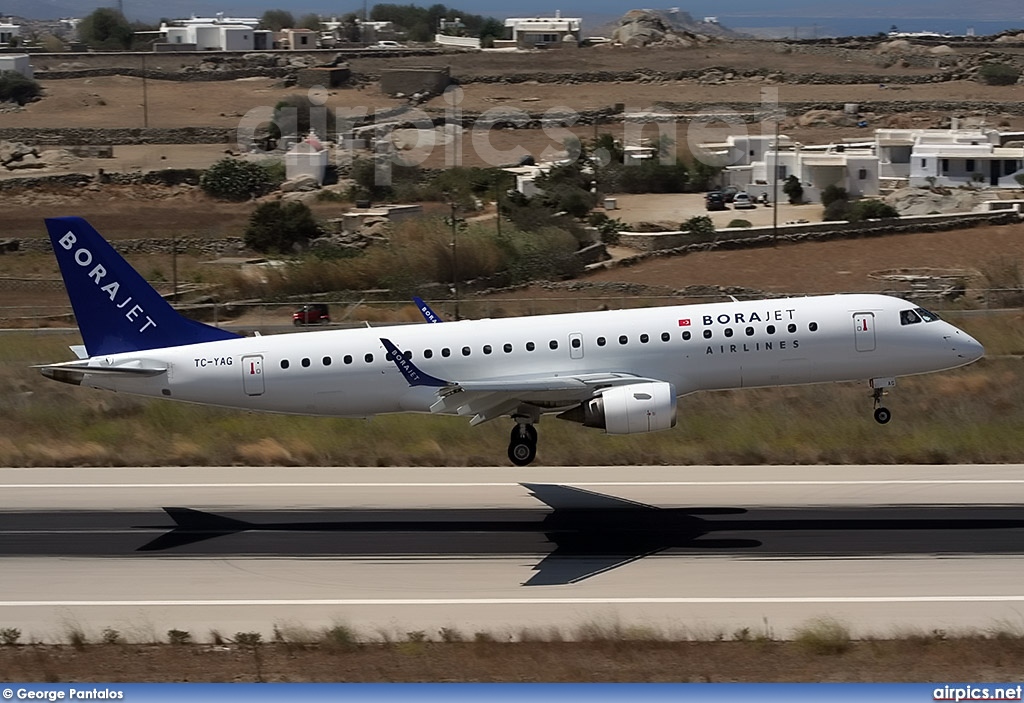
966	347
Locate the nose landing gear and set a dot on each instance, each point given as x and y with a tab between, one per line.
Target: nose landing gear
878	389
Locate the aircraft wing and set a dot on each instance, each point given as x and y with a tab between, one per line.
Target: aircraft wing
486	399
562	567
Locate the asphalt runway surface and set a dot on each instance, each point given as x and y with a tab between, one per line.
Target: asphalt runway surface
688	551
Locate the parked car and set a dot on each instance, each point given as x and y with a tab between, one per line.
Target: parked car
715	201
743	201
386	44
729	192
315	314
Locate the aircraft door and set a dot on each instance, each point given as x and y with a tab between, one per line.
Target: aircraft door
864	331
576	345
252	380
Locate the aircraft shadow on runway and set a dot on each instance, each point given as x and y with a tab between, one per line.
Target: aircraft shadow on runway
591	533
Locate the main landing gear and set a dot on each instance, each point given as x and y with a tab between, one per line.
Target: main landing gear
522	445
878	389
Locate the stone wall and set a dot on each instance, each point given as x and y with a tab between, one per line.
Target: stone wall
663	243
138	135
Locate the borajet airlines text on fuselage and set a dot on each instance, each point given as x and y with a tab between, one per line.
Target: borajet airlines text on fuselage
742	318
83	257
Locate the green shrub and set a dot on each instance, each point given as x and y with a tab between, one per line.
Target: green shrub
825	636
237	180
16	88
111	636
836	211
739	223
9	636
179	637
793	190
280	227
871	210
700	224
999	74
833	193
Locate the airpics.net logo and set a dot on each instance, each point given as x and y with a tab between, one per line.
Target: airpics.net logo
409	135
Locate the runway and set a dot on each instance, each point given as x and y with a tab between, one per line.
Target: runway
686	551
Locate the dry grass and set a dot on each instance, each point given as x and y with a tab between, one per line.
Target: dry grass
822	651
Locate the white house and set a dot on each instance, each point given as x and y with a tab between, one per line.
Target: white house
543	32
219	33
754	164
16	62
8	32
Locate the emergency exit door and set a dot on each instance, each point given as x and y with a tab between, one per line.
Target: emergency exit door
252	374
864	331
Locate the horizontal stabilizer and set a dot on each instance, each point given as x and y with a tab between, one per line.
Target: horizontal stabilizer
571	498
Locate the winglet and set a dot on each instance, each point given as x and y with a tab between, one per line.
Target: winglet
116	310
413	375
428	314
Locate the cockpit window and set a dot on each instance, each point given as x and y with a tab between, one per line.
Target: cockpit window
909	317
926	315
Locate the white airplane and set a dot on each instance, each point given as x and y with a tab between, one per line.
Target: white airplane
621	370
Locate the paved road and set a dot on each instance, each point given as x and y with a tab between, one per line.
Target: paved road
883	548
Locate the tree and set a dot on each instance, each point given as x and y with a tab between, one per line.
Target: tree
276	20
999	74
280	227
793	190
871	210
235	179
105	28
16	88
833	193
310	21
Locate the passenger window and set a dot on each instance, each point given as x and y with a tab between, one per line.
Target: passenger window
305	363
770	329
553	344
407	355
576	343
326	361
665	336
909	317
347	359
530	346
687	335
465	351
446	352
507	348
728	331
707	334
368	358
284	363
601	341
644	339
813	327
428	353
487	349
749	331
791	328
623	339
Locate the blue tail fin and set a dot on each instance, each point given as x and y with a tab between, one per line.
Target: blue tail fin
117	311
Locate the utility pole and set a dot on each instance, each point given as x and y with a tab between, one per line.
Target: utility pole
145	95
775	188
455	258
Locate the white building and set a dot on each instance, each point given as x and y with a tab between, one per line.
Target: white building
754	164
16	62
8	32
948	157
218	33
543	32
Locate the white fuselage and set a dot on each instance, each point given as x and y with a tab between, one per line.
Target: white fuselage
777	342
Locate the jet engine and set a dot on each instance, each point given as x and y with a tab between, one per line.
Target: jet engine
638	407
